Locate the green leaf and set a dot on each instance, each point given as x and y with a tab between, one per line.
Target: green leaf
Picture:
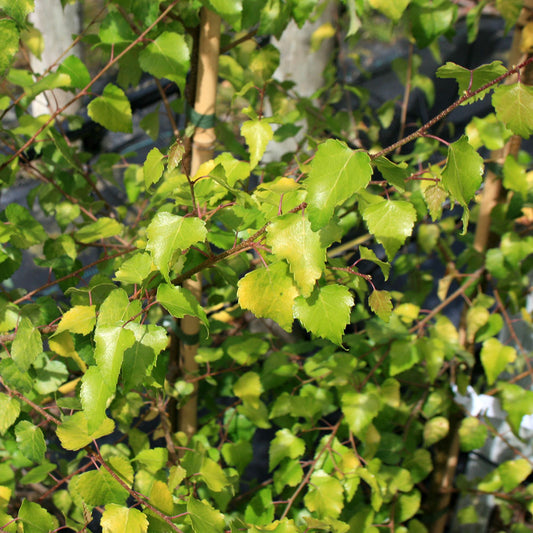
153	167
27	344
18	10
94	394
419	464
9	36
369	255
27	230
78	319
74	434
119	519
161	498
284	444
115	29
150	124
180	302
515	176
74	67
258	133
288	473
510	11
380	302
167	57
140	359
237	454
112	110
175	154
277	293
38	474
153	459
111	343
436	429
117	309
213	475
10	409
337	173
36	519
472	80
462	175
325	495
101	229
229	10
326	313
431	20
517	401
135	269
360	408
98	487
391	222
169	233
393	173
512	473
472	434
204	518
260	509
514	107
292	238
403	356
407	506
392	10
30	440
248	387
495	357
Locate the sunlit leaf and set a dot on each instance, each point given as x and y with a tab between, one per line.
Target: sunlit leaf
120	519
326	312
292	238
167	57
168	233
277	291
337	172
495	357
391	222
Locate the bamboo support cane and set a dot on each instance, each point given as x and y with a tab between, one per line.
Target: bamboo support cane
202	150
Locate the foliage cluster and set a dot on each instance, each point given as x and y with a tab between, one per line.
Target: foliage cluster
357	406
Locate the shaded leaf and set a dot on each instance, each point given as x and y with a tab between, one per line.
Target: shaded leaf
180	302
112	110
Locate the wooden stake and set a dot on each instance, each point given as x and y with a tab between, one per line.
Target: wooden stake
202	150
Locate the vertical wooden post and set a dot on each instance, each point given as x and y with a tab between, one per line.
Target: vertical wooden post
202	150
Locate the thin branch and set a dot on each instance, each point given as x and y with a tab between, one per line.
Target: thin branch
460	291
83	92
422	130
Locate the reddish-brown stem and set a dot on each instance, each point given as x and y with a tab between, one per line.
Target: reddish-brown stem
84	91
422	130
